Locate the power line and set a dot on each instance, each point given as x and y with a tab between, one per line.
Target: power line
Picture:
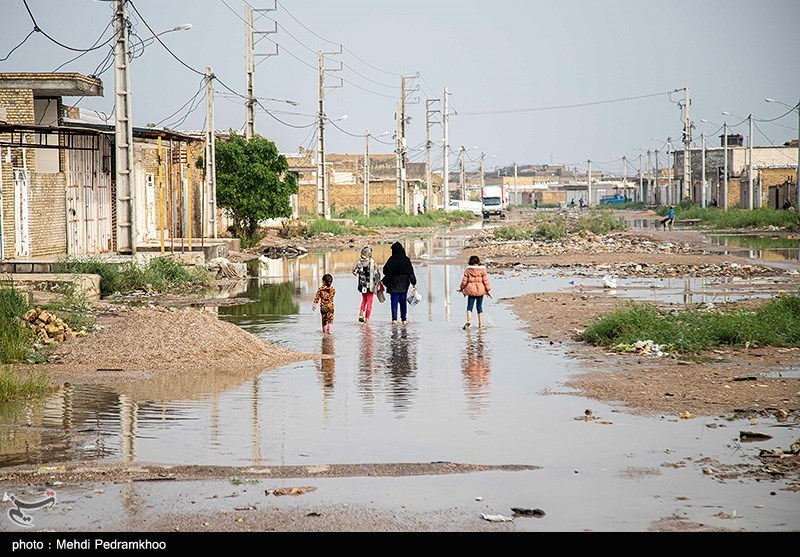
155	35
187	103
795	107
38	29
773	144
88	51
28	36
565	106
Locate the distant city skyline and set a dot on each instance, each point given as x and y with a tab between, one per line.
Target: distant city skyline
515	54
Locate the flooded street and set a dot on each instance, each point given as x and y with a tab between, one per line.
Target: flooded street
424	392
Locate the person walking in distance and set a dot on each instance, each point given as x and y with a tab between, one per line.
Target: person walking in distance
324	300
369	279
475	285
398	276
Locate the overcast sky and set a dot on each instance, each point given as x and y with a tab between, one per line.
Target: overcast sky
494	56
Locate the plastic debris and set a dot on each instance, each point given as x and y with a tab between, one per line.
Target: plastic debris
609	282
535	513
496	518
293	491
686	416
645	347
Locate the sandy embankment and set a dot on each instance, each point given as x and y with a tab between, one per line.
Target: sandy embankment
136	344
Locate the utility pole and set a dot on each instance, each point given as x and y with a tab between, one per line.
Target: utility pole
428	145
483	179
249	68
403	184
322	186
670	167
462	178
210	159
641	180
446	151
703	171
399	153
725	177
650	176
123	131
250	64
687	145
366	174
750	200
589	184
657	191
516	189
625	177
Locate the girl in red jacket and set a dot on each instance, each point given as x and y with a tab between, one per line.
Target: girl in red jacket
475	285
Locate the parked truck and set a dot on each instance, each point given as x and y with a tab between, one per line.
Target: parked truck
494	202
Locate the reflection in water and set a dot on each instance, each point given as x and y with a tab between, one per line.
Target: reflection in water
274	300
255	434
326	368
476	367
768	248
366	369
402	367
127	427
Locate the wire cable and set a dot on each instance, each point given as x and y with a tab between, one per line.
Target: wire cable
88	51
28	36
773	144
562	107
187	103
38	29
155	35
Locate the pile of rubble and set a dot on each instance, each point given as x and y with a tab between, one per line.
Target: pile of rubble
49	328
669	270
289	252
576	243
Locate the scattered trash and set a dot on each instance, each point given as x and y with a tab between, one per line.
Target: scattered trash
86	447
645	347
681	498
479	498
771	453
609	282
535	513
708	471
781	415
686	416
727	516
795	447
314	514
746	378
293	491
225	269
747	436
238	481
496	518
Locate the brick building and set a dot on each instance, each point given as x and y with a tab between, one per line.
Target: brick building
58	191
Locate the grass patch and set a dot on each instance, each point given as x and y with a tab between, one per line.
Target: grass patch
15	340
386	217
511	233
627	206
551	228
322	226
773	323
600	221
160	274
735	217
15	385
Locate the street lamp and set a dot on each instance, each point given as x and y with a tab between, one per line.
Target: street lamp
149	40
797	177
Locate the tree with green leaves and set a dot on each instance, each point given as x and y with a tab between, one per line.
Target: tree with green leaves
253	184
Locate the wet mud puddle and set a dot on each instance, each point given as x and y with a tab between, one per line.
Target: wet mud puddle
428	391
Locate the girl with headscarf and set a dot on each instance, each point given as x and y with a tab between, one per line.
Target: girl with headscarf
398	275
369	279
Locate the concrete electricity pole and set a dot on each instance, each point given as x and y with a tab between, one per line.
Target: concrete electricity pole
249	68
657	191
725	176
462	178
210	158
483	178
670	167
123	131
703	171
399	153
516	189
641	180
750	199
250	64
687	145
446	150
366	173
428	169
625	177
650	176
589	184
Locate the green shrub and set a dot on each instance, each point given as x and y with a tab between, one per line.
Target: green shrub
601	221
15	339
511	233
552	229
14	385
773	323
322	226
